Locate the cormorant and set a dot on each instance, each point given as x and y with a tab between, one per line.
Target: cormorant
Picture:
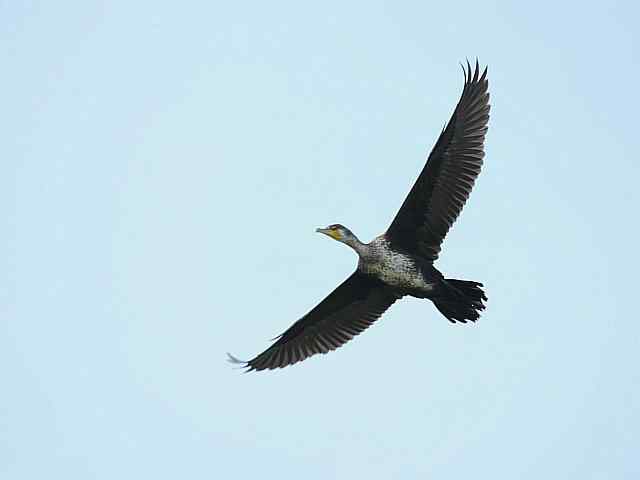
400	261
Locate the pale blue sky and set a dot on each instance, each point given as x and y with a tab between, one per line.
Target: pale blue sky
164	166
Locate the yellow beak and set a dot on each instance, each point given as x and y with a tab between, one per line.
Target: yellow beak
335	234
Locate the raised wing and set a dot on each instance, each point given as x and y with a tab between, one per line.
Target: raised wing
351	308
437	197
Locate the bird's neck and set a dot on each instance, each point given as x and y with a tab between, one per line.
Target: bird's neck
356	244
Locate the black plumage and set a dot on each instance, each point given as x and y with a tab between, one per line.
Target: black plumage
437	197
400	262
350	309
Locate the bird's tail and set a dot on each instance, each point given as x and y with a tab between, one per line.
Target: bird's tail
460	300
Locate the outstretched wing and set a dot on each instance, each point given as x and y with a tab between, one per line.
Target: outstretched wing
351	308
436	199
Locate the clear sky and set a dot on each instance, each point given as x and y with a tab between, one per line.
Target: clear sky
164	166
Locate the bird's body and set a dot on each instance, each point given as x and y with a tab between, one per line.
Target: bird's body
399	270
400	261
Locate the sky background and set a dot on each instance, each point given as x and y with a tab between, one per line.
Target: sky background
164	166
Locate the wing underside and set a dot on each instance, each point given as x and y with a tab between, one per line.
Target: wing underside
350	309
437	197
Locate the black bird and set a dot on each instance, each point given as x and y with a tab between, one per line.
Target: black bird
400	262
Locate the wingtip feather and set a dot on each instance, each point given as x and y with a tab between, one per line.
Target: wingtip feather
236	361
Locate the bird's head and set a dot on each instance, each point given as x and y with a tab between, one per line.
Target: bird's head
338	232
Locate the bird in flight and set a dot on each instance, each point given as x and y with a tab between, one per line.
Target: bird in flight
400	261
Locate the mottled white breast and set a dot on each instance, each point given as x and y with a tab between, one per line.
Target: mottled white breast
393	268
